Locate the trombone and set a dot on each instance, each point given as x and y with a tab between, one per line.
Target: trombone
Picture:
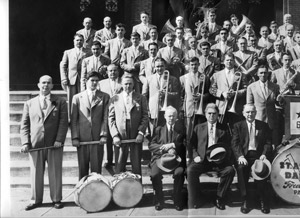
199	110
238	78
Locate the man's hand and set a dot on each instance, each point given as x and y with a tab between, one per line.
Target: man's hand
262	157
25	148
166	147
243	161
117	141
139	138
64	85
197	97
75	143
197	159
58	144
228	94
103	140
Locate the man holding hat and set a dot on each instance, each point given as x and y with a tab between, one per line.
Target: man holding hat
211	151
251	145
168	155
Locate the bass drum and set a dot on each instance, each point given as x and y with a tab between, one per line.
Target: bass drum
93	193
285	174
127	189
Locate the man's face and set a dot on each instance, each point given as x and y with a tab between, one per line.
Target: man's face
194	66
107	22
45	85
170	41
252	41
263	74
242	44
96	50
179	22
286	61
227	25
264	32
120	31
179	33
297	38
135	40
228	62
87	23
277	47
159	67
211	115
112	72
223	35
249	113
205	50
152	51
193	43
290	31
287	19
127	84
78	41
92	83
153	34
171	117
144	18
273	28
234	21
248	28
212	17
204	33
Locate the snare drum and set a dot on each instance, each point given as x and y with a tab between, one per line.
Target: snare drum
285	174
127	189
93	192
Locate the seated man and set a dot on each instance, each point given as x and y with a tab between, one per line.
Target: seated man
204	139
168	140
251	140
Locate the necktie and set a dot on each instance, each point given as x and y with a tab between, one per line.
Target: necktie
170	135
211	135
252	137
93	95
44	106
265	90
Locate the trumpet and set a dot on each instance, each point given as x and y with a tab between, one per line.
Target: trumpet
238	76
199	110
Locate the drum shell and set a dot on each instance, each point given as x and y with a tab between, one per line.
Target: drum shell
93	193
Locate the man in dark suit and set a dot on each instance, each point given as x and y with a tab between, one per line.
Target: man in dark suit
168	139
251	140
205	136
89	123
45	124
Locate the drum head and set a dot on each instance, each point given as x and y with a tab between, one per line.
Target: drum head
128	192
95	196
285	175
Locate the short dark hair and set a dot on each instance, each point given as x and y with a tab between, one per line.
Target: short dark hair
135	34
193	59
224	29
153	43
229	54
127	76
204	43
120	25
179	28
92	74
153	28
78	35
273	22
161	60
97	43
144	12
233	15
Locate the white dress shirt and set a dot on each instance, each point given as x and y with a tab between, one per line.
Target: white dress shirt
211	137
251	147
48	102
128	102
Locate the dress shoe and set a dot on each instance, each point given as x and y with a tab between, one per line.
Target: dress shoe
264	208
58	205
219	204
32	206
108	165
245	207
159	206
178	207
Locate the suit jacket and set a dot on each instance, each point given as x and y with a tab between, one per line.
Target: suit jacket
294	52
288	43
104	34
278	77
113	50
147	67
190	53
265	105
199	139
183	45
143	30
189	86
209	65
250	61
273	36
266	44
89	64
160	137
117	116
240	138
88	39
151	91
216	49
40	131
70	65
89	120
104	86
214	32
129	59
282	29
232	38
260	51
146	43
165	54
220	84
273	63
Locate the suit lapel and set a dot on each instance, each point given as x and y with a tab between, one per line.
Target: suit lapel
51	107
245	132
38	107
85	99
98	99
164	132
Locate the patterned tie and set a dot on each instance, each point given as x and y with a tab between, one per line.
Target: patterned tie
252	137
265	90
211	135
170	134
45	105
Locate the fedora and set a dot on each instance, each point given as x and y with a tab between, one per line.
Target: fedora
168	162
216	153
261	169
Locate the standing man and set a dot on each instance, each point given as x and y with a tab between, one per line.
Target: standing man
288	41
208	63
265	40
207	137
89	123
295	50
168	139
153	39
235	22
97	62
128	119
251	140
70	69
45	124
106	33
274	30
274	59
144	27
260	51
213	28
87	32
180	42
282	30
192	51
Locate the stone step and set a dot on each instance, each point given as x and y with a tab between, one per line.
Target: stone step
14	127
16	106
26	95
15	116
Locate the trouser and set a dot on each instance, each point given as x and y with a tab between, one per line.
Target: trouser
71	91
54	158
109	148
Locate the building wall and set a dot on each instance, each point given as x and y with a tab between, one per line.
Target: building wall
136	7
294	9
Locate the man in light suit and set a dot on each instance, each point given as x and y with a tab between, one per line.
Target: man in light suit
97	62
153	39
88	33
180	42
251	140
231	38
45	124
112	86
282	30
274	31
246	61
70	68
128	119
208	63
264	41
114	47
263	94
274	59
89	123
204	136
288	41
295	50
193	51
131	59
260	51
144	27
106	33
213	27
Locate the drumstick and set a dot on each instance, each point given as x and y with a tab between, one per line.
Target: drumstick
44	148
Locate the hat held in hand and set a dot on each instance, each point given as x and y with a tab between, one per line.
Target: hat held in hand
216	153
261	169
168	162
